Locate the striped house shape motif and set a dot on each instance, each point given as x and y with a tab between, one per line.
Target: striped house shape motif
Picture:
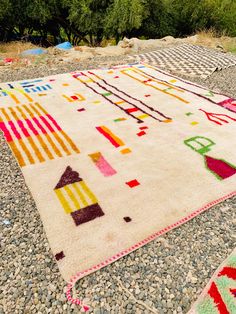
76	198
34	135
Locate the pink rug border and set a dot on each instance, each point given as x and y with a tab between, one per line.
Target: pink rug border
150	238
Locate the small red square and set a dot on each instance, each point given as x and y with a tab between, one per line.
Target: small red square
74	97
147	95
132	183
81	109
130	110
141	133
143	128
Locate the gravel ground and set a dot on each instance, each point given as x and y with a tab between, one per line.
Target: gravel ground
167	274
222	81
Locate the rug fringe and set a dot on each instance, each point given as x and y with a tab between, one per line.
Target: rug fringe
71	284
108	261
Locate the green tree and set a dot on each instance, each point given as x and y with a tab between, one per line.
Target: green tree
159	21
191	16
92	20
6	19
87	18
124	17
225	16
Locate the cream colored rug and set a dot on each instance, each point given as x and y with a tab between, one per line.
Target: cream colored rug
116	157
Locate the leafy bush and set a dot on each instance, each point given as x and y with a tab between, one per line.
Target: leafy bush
92	21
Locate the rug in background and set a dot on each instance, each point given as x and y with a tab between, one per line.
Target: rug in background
116	157
219	296
189	60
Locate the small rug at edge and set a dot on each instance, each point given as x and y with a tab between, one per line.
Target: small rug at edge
219	296
191	60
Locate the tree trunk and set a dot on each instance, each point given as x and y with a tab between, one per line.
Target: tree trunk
21	30
91	40
117	38
99	38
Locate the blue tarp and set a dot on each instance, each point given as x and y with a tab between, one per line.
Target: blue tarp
66	45
37	51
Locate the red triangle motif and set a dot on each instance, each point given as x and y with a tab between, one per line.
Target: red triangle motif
220	167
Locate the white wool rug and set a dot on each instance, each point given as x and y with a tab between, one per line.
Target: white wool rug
116	157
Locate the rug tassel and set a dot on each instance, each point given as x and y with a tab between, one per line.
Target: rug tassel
71	284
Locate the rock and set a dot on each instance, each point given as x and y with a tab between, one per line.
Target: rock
219	47
137	291
141	295
129	306
169	39
169	304
78	49
54	51
126	43
192	39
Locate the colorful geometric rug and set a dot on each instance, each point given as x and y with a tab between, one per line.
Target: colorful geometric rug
189	60
116	157
219	296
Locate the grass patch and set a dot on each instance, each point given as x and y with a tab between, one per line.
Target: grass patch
212	39
14	48
231	47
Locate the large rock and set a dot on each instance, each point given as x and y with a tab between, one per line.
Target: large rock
132	44
168	39
135	44
192	39
125	43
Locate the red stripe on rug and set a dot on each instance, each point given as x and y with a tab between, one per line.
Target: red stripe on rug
229	272
108	136
214	293
130	110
